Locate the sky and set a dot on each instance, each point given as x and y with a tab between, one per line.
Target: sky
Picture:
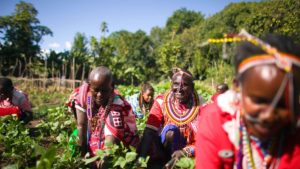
67	17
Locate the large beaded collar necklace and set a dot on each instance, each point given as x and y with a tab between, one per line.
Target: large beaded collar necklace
181	118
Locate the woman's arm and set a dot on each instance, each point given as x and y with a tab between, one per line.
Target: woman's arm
82	131
147	139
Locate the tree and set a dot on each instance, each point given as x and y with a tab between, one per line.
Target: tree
171	55
132	57
121	45
94	46
198	63
102	51
22	33
103	28
57	63
142	57
183	19
278	16
158	35
79	54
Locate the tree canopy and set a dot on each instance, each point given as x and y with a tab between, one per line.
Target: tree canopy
135	57
21	33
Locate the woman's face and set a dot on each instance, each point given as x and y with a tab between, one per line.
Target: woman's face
221	89
100	89
182	87
148	95
259	87
4	93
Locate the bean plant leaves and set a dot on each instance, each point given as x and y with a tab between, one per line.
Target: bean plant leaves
130	156
90	160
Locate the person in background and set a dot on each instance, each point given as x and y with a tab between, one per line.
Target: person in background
221	88
102	115
13	101
171	126
261	129
142	102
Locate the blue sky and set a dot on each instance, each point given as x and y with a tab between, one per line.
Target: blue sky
67	17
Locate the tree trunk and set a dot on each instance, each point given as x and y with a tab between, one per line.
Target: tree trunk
73	72
25	68
173	35
83	72
15	67
46	74
52	70
20	68
224	51
29	71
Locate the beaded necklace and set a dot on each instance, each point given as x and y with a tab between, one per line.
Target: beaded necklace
246	151
97	122
177	117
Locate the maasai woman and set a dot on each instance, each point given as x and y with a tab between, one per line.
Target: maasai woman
102	115
257	127
173	118
13	101
143	101
221	88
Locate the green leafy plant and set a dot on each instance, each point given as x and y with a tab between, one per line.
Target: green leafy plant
185	162
47	157
128	90
141	124
15	143
57	120
117	156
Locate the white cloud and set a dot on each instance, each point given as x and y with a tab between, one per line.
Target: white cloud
54	45
68	44
45	51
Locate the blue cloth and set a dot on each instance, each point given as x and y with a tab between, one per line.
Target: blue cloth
178	140
134	102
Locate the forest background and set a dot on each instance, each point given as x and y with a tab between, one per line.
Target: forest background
135	57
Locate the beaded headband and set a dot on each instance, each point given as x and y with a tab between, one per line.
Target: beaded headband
282	60
180	72
285	62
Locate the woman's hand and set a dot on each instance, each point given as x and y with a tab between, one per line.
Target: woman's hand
178	154
175	157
